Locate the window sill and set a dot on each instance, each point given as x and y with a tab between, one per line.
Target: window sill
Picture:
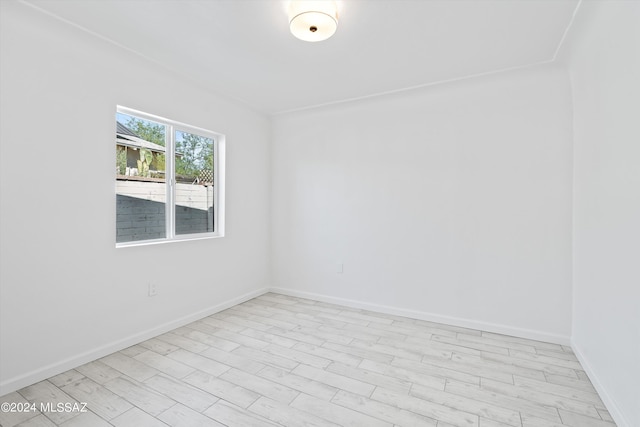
183	238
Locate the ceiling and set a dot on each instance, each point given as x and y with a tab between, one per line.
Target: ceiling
243	49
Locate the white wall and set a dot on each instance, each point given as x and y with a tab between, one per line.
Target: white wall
603	58
452	203
67	295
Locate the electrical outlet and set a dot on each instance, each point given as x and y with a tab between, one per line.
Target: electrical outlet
153	289
340	268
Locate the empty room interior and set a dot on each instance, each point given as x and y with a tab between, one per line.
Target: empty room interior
353	213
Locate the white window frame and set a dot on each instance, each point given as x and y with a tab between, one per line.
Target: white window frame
218	179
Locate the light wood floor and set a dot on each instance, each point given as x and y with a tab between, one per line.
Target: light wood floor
283	361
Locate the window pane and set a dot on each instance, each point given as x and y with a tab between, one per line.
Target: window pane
194	183
140	179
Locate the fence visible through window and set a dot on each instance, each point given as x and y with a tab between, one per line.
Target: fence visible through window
149	155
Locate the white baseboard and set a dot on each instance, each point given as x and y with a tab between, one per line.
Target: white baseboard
32	377
438	318
56	368
608	401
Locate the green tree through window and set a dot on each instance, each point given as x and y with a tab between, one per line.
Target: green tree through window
194	154
149	131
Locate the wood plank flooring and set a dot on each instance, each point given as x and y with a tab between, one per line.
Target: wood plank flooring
283	361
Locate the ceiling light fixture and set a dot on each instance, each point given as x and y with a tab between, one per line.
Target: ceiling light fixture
313	21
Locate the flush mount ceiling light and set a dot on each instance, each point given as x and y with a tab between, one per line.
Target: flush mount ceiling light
313	21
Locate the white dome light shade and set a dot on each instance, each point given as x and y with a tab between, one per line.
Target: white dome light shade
313	21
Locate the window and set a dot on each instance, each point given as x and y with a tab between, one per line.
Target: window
169	180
